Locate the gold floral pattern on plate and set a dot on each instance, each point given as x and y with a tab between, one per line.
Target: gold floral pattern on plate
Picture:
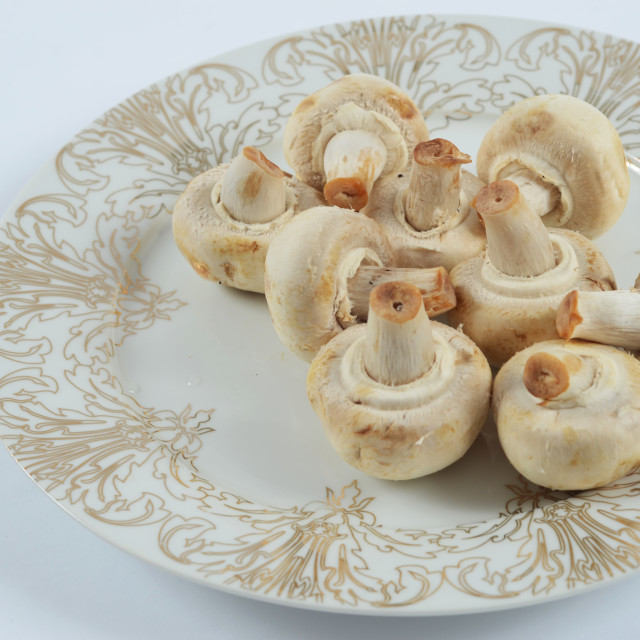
75	289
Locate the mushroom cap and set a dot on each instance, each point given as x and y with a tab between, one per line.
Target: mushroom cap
307	269
504	314
223	249
372	94
405	431
571	443
570	144
461	237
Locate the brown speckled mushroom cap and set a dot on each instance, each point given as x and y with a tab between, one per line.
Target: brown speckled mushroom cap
568	413
361	101
399	402
565	147
222	248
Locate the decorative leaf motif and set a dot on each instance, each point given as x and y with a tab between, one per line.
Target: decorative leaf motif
407	51
315	552
165	135
45	276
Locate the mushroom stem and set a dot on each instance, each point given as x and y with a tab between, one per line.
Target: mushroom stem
433	193
353	160
399	345
518	243
541	196
438	294
609	317
253	189
549	377
637	282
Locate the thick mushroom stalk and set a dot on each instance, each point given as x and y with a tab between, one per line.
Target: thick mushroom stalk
253	189
566	158
225	219
508	299
320	271
568	413
426	212
609	317
518	243
433	193
434	284
401	396
399	347
353	161
346	136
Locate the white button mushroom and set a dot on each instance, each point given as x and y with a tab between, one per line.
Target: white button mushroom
568	413
508	299
565	156
609	317
401	396
426	213
320	270
342	138
224	220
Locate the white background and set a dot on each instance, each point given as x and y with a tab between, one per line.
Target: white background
64	63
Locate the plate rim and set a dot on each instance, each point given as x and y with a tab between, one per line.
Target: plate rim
19	201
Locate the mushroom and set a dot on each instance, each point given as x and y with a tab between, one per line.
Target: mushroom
609	317
426	213
508	298
345	136
320	270
565	156
568	413
225	219
400	396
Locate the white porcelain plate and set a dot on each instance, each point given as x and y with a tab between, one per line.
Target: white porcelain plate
164	414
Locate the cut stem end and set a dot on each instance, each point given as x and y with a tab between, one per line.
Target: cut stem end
568	317
347	193
545	376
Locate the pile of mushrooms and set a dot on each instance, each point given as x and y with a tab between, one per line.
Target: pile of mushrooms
382	229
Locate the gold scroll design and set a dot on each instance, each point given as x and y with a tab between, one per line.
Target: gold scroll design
326	551
558	541
336	551
600	69
87	443
63	414
54	269
410	52
143	152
